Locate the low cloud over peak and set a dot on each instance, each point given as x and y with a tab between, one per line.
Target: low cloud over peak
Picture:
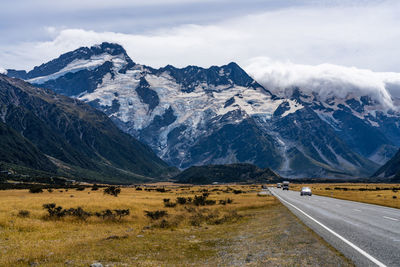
325	79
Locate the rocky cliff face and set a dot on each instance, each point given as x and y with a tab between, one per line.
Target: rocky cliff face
193	116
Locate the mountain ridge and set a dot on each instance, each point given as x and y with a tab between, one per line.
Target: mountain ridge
179	112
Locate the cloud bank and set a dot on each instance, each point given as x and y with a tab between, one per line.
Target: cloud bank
363	34
3	71
325	79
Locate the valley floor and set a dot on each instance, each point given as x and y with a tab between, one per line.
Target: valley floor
252	230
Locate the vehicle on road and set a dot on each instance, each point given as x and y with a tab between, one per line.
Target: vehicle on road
285	185
305	191
278	185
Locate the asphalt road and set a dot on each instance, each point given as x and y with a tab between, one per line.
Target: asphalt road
367	234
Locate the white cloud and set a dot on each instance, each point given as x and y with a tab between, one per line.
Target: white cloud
365	36
3	71
326	79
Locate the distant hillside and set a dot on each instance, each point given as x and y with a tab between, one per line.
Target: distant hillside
81	141
16	149
228	173
391	169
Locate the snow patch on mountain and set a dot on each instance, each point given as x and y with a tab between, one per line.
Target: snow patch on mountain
83	64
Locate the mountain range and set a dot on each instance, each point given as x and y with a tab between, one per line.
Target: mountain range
57	135
200	116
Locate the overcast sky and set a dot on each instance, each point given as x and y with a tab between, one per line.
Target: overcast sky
360	33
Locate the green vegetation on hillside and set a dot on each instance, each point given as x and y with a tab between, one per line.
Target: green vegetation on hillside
15	149
228	173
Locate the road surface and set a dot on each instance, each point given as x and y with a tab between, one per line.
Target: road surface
367	234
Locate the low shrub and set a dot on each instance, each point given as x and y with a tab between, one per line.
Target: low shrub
55	211
35	190
122	213
117	214
108	214
210	202
78	213
95	187
169	204
105	214
199	200
181	200
155	215
112	190
162	190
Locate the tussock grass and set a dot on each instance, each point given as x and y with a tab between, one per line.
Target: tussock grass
379	194
185	234
53	241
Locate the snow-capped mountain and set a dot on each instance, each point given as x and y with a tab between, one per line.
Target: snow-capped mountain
194	116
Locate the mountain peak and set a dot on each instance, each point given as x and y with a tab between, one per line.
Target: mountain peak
109	48
233	65
82	53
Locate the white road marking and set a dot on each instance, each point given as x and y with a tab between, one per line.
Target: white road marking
390	218
362	252
357	210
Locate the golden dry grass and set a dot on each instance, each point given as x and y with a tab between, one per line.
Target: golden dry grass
136	239
367	193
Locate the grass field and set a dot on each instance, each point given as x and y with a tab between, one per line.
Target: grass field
251	230
379	194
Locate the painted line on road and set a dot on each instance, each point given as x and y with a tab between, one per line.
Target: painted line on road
362	252
390	218
357	210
